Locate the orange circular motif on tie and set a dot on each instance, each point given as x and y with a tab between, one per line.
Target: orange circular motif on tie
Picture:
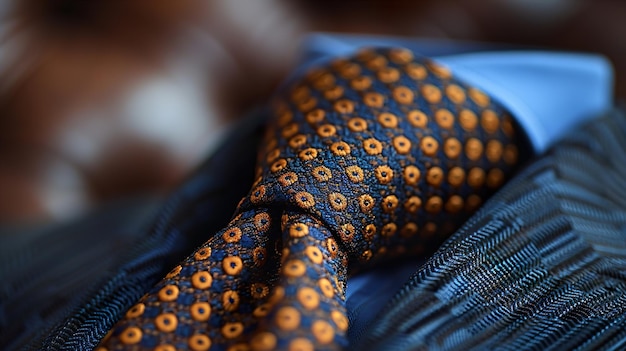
456	176
389	229
403	95
301	344
417	119
402	144
199	342
350	70
431	93
300	93
261	311
366	203
376	63
480	98
327	130
361	83
294	268
287	318
429	145
452	147
334	93
434	204
369	232
258	255
323	332
455	93
388	75
373	100
388	120
444	118
416	71
434	176
315	116
202	254
278	165
493	151
468	120
232	330
495	178
136	311
357	124
290	131
297	141
409	230
277	295
232	265
413	204
232	235
201	280
200	311
259	290
314	254
308	298
372	146
258	194
166	322
264	341
384	174
400	55
340	148
325	81
288	179
298	230
168	293
344	106
346	231
326	287
321	173
331	246
489	121
473	149
307	154
337	201
507	126
390	203
304	199
307	104
454	204
341	321
230	300
476	177
174	272
354	173
131	336
411	175
439	70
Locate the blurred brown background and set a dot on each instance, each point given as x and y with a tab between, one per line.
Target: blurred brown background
107	99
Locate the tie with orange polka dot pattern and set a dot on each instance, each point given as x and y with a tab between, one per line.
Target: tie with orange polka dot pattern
370	158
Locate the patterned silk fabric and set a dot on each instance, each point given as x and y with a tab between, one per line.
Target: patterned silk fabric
371	158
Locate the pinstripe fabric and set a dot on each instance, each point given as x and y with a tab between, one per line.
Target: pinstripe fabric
542	266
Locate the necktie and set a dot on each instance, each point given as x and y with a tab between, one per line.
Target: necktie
540	267
368	158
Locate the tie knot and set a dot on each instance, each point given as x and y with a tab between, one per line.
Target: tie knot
387	149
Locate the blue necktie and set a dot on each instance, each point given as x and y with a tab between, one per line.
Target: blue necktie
368	159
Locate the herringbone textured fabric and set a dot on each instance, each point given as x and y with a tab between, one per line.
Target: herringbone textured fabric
542	266
368	158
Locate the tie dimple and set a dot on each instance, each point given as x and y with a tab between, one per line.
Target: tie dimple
370	158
